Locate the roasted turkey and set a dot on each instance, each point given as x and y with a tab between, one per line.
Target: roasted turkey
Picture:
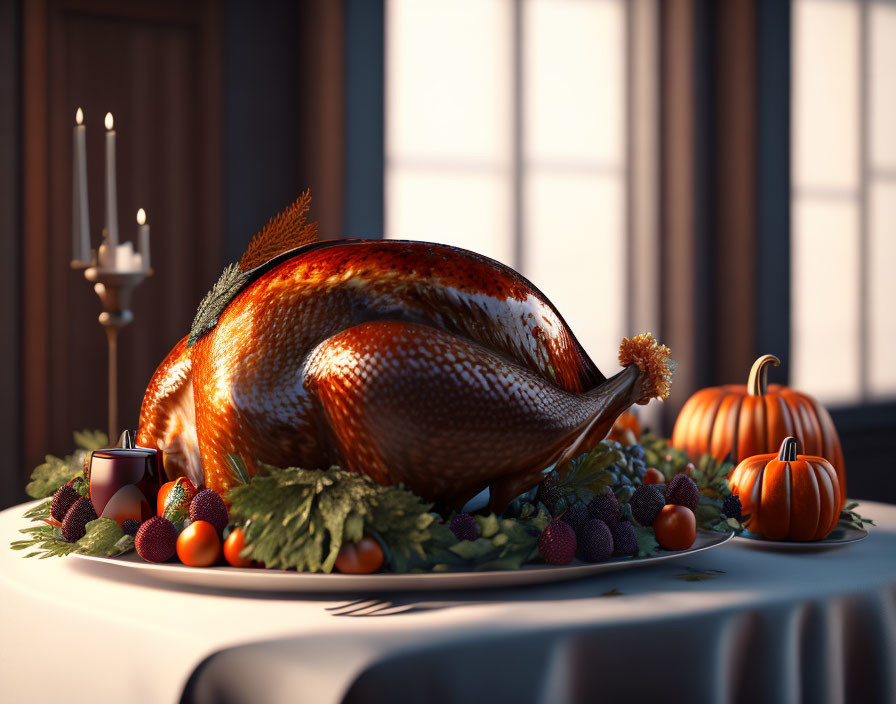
410	362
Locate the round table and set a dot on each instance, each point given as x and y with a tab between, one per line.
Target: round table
732	624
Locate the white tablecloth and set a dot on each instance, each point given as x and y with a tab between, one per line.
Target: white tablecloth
769	627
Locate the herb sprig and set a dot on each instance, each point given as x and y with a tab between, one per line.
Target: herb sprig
56	471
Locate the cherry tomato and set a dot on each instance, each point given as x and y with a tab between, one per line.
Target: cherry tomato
198	544
233	546
364	557
653	476
675	527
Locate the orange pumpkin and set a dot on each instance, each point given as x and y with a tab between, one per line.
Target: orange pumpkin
788	496
627	421
743	421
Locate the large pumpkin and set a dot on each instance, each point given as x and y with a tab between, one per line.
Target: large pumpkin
788	496
743	421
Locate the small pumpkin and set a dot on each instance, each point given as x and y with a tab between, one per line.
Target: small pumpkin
627	421
788	496
742	421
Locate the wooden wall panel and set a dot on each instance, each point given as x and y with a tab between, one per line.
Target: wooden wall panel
156	66
11	480
734	191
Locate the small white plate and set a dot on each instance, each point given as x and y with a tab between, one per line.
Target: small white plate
843	534
263	580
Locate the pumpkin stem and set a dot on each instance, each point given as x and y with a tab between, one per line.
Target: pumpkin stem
758	381
789	449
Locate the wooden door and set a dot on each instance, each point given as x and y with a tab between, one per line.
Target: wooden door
156	66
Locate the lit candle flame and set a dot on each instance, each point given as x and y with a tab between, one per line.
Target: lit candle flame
109	122
79	116
141	217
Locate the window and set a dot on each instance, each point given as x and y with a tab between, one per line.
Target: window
509	132
844	199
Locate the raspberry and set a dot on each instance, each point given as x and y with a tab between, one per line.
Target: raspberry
596	544
130	526
208	506
683	491
624	540
156	539
548	494
605	507
732	507
464	527
646	504
557	543
576	515
63	499
74	525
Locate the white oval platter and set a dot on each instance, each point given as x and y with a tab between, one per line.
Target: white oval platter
264	580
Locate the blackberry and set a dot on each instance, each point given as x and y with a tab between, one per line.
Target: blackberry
605	507
156	539
596	544
130	526
646	504
683	491
208	506
731	507
576	515
548	494
63	499
464	527
635	452
557	543
74	525
624	540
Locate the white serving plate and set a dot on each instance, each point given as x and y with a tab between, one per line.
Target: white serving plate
264	580
842	535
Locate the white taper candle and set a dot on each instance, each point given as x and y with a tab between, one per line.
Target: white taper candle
80	215
143	238
111	190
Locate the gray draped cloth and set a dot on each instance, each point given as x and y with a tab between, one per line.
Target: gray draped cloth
733	624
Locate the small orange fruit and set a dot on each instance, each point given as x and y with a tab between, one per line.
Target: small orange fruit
676	527
653	476
233	546
198	544
364	557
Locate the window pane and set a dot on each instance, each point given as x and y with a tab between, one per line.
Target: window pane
574	99
448	80
882	64
576	255
469	210
882	318
825	327
825	94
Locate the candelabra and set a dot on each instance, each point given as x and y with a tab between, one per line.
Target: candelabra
114	286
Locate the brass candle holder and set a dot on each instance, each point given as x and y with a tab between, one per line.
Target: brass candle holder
114	287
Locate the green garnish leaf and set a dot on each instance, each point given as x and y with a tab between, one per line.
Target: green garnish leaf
647	545
56	471
588	474
101	538
851	517
298	518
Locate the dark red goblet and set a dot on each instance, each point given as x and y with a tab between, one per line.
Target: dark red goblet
124	482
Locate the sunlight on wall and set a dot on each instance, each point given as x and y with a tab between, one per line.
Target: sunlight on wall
844	199
448	117
545	194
